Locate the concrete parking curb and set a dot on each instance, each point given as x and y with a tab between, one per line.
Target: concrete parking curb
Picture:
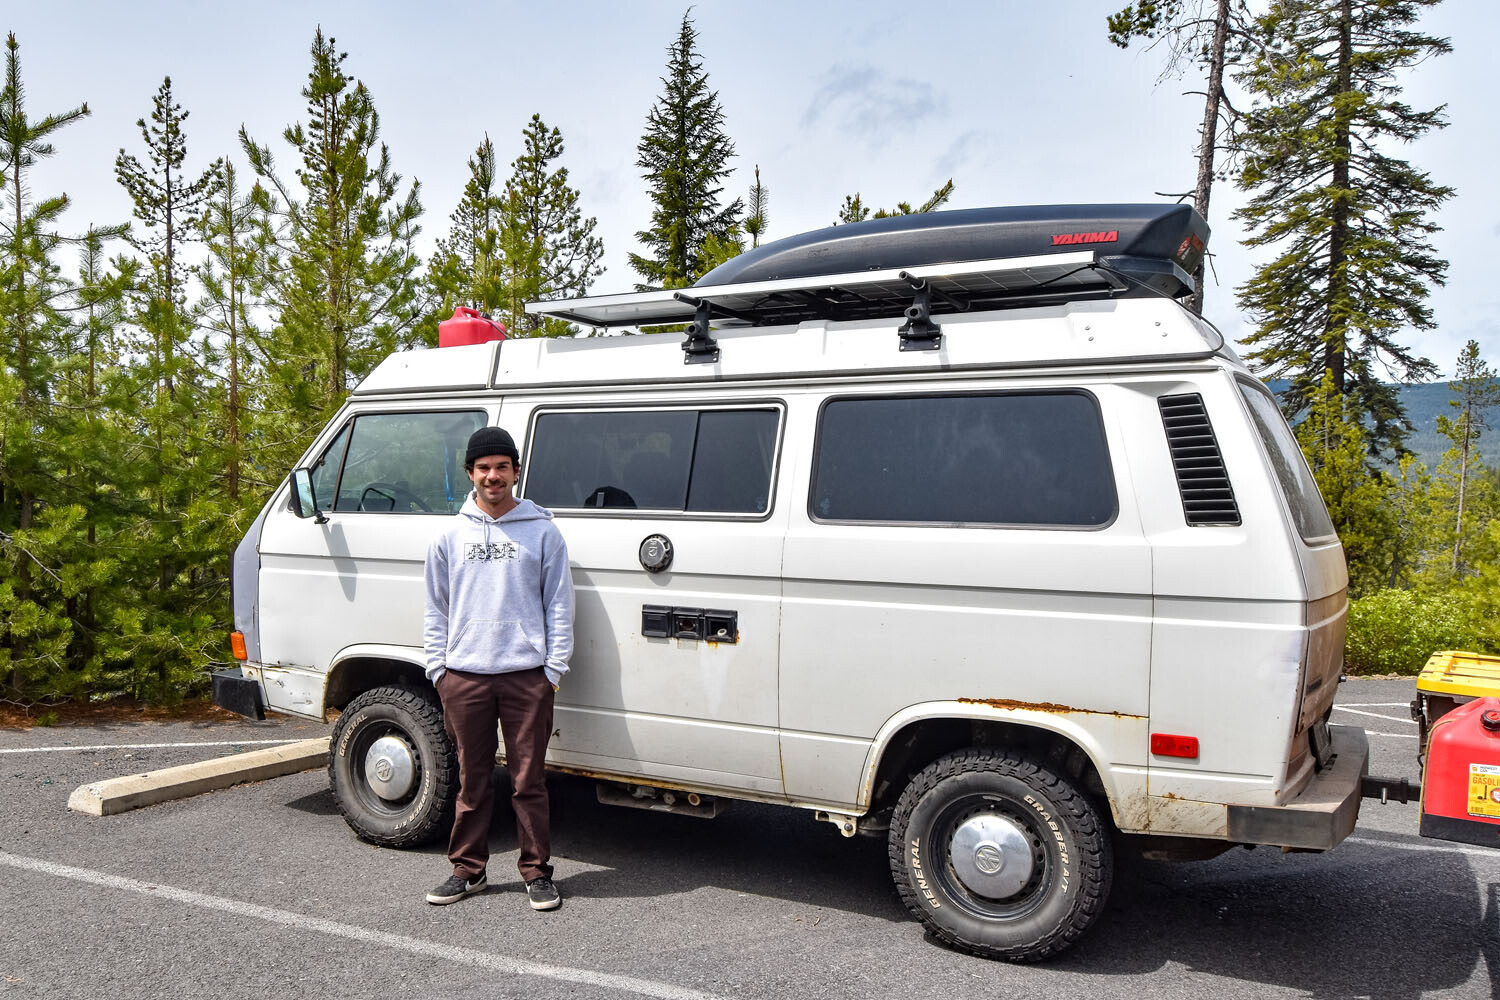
115	795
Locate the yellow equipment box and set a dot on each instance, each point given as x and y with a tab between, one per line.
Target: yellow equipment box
1460	675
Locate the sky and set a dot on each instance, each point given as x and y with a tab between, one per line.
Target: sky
1020	103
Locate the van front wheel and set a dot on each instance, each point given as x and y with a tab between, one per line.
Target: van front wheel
392	767
998	856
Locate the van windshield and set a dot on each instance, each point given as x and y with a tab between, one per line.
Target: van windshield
1297	483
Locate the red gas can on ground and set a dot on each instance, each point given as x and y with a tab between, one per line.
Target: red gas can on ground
468	326
1461	780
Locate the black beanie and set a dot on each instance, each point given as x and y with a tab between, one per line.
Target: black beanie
490	441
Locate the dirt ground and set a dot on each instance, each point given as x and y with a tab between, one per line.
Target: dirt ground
88	714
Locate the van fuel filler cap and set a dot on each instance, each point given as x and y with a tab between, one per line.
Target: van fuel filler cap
656	553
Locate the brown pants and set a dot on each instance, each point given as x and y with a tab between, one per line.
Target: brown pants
521	702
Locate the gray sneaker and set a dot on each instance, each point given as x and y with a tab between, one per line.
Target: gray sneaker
455	888
543	894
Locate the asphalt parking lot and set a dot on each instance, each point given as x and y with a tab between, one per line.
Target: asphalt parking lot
262	891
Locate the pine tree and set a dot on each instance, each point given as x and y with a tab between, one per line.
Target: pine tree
551	251
231	279
684	155
343	280
755	211
34	629
1198	36
92	444
466	268
1475	383
855	210
168	202
1348	222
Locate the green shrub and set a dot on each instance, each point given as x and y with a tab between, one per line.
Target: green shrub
1395	631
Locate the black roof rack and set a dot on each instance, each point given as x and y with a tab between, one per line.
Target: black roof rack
921	266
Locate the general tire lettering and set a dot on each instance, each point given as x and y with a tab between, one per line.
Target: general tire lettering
416	716
1071	861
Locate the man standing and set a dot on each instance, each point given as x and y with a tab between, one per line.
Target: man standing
498	633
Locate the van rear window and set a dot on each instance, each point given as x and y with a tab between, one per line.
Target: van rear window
1296	479
683	460
1034	458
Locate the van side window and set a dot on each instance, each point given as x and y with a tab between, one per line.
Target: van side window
325	471
687	461
1296	479
1003	458
407	463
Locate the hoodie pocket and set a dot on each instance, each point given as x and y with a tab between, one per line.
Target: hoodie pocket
486	643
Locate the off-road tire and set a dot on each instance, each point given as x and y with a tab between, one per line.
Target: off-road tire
417	717
1071	855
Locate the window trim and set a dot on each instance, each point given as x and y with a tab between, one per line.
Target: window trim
353	417
817	451
661	513
347	425
1242	383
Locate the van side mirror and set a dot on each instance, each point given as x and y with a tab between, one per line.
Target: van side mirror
304	501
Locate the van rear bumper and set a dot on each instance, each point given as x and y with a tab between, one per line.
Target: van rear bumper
1323	813
238	694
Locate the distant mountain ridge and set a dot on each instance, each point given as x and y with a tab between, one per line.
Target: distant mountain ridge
1424	404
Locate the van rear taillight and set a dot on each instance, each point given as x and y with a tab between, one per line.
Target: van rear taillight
1167	745
237	645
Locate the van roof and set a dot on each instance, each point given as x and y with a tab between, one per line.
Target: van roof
1098	333
1019	287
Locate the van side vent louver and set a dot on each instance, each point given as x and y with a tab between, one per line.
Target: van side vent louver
1207	497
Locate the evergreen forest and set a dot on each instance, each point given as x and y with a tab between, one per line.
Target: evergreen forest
160	375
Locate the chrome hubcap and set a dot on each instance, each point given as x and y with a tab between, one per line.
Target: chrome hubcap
390	767
991	856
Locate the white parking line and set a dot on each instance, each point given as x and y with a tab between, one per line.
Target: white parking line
415	946
1471	852
1393	736
1376	704
146	746
1374	715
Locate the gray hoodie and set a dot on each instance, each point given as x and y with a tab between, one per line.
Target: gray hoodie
499	594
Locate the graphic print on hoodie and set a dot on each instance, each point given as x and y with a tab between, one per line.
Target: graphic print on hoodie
499	594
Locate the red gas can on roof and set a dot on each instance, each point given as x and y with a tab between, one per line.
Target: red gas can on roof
468	326
1461	781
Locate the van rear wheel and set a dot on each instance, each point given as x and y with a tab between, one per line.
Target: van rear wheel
998	856
393	769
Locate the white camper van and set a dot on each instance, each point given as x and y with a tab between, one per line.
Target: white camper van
955	529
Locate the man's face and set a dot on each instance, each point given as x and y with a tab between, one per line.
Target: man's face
493	477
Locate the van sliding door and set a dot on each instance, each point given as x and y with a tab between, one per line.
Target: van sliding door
674	534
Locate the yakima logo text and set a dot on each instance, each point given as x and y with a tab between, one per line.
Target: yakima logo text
1068	239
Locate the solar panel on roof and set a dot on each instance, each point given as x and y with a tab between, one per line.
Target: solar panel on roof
861	295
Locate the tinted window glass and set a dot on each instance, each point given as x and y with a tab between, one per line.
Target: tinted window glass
1296	479
1019	458
732	461
407	463
712	461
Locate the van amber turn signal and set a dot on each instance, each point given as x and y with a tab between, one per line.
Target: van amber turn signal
237	645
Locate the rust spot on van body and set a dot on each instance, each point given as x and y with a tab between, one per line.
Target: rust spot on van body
1042	706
